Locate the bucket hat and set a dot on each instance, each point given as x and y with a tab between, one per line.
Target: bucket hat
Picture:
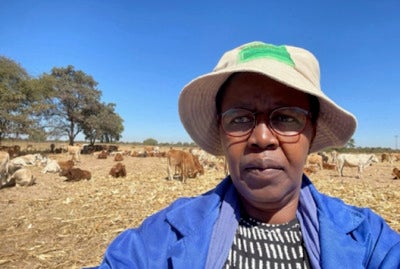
292	66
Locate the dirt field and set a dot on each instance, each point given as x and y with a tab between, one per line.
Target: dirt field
57	224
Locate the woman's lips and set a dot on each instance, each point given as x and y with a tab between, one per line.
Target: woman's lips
267	172
262	172
262	165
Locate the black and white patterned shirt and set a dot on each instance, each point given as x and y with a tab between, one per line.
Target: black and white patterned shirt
260	245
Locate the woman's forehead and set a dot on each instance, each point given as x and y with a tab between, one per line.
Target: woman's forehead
255	90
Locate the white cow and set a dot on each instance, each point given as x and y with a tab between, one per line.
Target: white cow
22	177
4	161
75	151
355	160
52	166
27	160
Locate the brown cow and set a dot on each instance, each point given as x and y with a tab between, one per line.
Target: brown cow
395	157
118	157
308	170
197	169
102	155
186	162
315	159
13	151
76	174
118	170
396	173
66	165
386	157
329	166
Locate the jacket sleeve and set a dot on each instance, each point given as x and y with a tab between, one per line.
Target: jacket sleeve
147	246
127	250
385	243
392	259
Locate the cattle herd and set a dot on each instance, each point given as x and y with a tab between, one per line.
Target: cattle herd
181	164
338	161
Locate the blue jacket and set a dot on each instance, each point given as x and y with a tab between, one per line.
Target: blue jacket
198	232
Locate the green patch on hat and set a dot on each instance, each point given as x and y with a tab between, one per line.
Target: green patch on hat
259	50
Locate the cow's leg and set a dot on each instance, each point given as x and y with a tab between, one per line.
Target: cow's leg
184	172
340	169
360	169
169	170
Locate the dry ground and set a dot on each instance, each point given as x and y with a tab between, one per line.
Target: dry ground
57	224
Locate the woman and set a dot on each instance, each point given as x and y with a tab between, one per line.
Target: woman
261	107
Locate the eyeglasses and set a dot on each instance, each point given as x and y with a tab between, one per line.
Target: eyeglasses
284	121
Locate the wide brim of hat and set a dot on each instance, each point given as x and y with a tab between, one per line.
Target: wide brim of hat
197	107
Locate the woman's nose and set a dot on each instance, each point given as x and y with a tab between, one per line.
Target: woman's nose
262	136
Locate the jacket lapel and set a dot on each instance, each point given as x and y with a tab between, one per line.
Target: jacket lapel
339	248
342	245
193	224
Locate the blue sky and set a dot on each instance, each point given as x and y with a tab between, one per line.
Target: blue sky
142	53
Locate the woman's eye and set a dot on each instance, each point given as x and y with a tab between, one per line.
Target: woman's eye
285	118
241	119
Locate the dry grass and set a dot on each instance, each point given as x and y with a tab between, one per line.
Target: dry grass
57	224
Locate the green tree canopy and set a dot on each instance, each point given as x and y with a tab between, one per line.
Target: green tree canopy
150	142
102	123
73	92
21	100
351	143
63	103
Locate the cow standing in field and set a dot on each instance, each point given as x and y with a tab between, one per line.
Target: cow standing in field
186	162
387	157
210	161
75	151
314	159
396	173
355	160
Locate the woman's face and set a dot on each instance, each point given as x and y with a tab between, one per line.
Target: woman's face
265	168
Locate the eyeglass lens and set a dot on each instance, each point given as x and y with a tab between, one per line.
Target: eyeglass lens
286	121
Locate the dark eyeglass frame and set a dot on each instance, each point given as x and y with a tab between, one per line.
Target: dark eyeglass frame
307	116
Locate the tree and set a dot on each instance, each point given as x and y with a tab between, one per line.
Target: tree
21	101
62	103
112	126
150	142
102	123
72	93
351	143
